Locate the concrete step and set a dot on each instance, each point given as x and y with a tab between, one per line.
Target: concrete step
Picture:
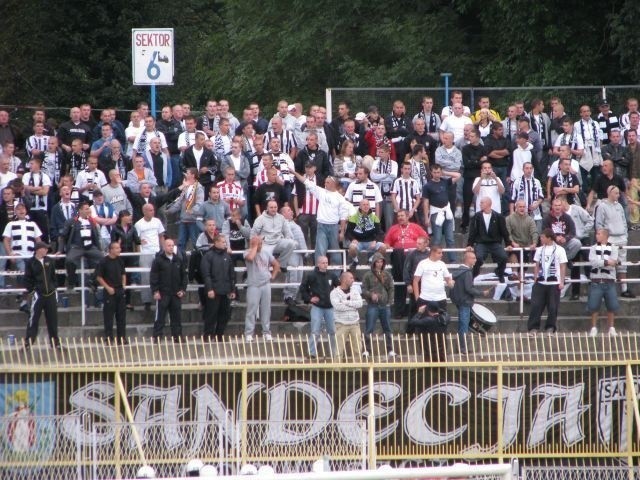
140	322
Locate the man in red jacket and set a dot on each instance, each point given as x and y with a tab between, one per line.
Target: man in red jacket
401	237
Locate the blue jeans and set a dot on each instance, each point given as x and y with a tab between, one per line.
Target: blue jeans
603	291
464	318
327	239
317	316
383	312
445	229
186	232
176	173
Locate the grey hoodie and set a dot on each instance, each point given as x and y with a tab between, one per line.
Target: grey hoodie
271	229
611	216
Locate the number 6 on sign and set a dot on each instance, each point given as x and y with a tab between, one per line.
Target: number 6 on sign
153	70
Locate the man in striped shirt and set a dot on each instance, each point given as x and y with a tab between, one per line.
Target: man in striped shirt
19	238
363	187
286	137
405	193
305	205
37	143
231	191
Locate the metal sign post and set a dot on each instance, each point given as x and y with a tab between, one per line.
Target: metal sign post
152	58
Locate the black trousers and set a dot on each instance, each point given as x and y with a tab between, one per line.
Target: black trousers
115	306
497	252
309	225
172	305
467	198
399	291
433	339
49	305
544	296
92	255
217	312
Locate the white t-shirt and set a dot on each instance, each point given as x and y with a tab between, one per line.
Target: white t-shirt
575	168
148	233
549	258
455	125
432	279
488	188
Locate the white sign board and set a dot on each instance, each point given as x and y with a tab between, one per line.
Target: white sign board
152	56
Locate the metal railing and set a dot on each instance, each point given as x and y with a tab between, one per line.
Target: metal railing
521	266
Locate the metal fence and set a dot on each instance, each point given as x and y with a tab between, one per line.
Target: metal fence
567	396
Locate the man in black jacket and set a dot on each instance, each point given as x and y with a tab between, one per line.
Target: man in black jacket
219	279
473	155
80	237
463	294
315	289
488	231
204	160
168	279
40	280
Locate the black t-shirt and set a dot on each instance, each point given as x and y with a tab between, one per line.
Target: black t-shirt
574	182
266	192
111	271
603	183
437	192
490	144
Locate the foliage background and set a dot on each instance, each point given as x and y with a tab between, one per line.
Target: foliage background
66	52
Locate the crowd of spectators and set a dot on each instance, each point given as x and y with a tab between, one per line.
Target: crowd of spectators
367	182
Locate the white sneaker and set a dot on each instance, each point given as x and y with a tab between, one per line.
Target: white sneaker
458	213
248	338
267	337
392	354
612	332
472	211
365	355
593	332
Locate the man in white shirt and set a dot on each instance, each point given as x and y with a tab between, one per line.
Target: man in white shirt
333	211
456	97
455	123
188	137
151	233
549	273
6	175
141	143
488	185
90	179
430	279
36	186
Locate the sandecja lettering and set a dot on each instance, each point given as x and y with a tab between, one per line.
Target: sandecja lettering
97	399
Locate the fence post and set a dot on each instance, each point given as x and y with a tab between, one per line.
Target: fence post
244	408
500	416
632	414
522	283
371	422
83	310
328	101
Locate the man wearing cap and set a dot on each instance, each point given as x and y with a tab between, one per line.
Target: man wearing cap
40	281
607	121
